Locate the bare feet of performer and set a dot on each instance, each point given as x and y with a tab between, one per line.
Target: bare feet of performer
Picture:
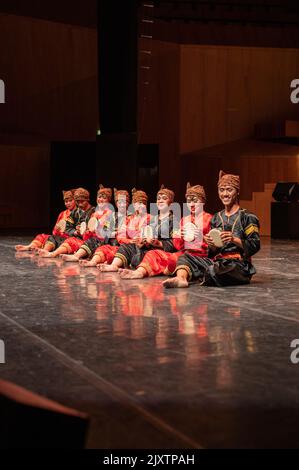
23	248
181	280
112	268
140	273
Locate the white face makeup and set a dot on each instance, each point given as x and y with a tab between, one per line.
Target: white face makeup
163	201
102	199
194	203
139	207
122	204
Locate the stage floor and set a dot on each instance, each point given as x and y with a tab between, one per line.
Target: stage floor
197	367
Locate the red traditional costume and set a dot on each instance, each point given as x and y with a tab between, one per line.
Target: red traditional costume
158	262
74	242
132	229
41	239
106	253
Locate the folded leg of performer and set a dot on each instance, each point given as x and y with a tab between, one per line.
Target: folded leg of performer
189	268
155	263
122	258
36	244
86	250
103	254
69	246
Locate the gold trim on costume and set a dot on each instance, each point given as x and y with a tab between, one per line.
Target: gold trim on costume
50	243
123	259
186	268
147	268
251	229
85	248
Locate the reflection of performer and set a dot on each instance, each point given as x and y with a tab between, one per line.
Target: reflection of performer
82	213
230	264
130	251
41	240
106	253
103	226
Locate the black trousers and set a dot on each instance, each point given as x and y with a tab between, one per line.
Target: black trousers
131	255
220	273
56	241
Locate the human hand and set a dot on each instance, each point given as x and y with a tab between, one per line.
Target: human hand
209	241
227	237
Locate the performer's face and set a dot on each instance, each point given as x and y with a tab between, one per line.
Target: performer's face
102	199
122	204
70	204
139	206
163	202
194	204
82	204
228	195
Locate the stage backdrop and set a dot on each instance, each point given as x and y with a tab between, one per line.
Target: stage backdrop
50	70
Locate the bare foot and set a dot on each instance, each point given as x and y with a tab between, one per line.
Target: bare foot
175	282
128	274
69	258
87	264
108	268
23	248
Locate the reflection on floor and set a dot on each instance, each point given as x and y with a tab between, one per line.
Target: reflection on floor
201	367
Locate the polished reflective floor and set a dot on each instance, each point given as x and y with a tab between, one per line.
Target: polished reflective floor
197	367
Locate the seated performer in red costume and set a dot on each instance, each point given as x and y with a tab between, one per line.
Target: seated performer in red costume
163	261
106	253
131	241
58	231
100	230
158	245
78	216
232	242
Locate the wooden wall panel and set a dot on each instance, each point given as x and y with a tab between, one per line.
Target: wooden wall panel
159	108
225	91
219	95
50	71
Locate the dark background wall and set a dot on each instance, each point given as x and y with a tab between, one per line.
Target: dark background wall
215	70
49	63
218	69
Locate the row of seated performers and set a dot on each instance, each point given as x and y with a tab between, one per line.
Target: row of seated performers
118	242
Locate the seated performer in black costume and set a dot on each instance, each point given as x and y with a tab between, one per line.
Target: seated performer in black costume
229	264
